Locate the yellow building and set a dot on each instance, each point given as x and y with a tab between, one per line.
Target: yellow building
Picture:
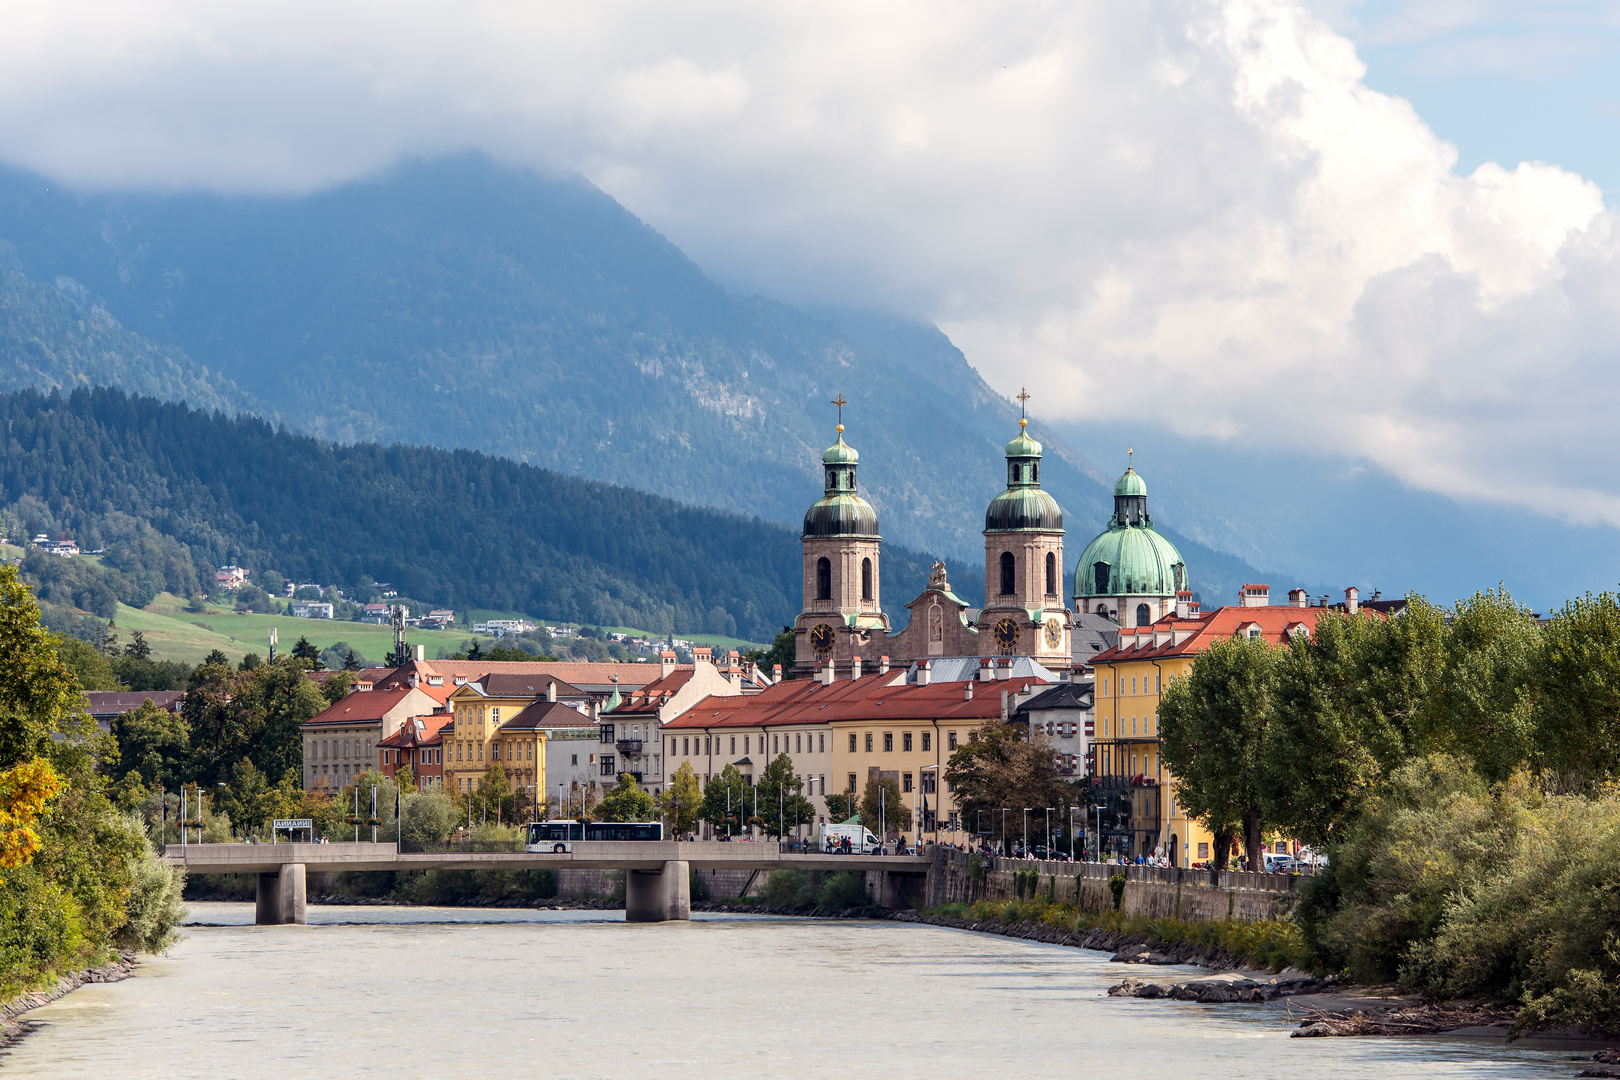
488	727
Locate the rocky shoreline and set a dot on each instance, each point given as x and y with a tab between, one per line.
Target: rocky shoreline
13	1025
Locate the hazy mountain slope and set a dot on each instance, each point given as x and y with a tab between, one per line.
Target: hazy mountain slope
50	340
448	527
457	303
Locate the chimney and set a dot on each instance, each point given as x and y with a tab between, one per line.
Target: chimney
1194	607
1352	599
421	653
987	670
1004	704
1004	668
1255	596
702	654
855	669
551	691
1183	604
827	673
883	665
967	691
666	663
1298	598
776	672
925	672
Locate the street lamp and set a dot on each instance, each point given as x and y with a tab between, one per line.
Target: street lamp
922	794
1026	831
1004	810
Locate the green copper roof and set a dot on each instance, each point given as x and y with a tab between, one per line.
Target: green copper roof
1130	560
1130	484
840	511
840	452
1023	506
1023	446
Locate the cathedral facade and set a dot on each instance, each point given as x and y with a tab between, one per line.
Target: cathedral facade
1024	611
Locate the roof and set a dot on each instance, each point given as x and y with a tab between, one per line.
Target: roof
877	698
360	708
506	685
418	731
542	714
1071	695
960	669
585	676
1135	561
648	699
105	703
1092	634
1130	484
1173	636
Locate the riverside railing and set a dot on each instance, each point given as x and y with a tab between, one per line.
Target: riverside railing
1165	875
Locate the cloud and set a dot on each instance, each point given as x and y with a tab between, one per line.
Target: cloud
1174	213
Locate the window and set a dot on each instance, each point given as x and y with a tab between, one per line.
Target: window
607	765
868	742
798	746
1203	851
686	747
1133	684
1158	682
821	743
745	744
950	740
852	742
705	744
1133	725
1144	615
1105	688
905	781
1051	574
776	744
1007	574
929	782
1099	580
823	579
495	715
852	782
734	744
928	738
905	742
575	759
866	579
607	733
888	742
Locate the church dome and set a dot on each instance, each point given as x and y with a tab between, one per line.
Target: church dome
1130	558
1023	506
840	511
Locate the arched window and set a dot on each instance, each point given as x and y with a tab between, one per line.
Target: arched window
1006	573
1051	574
1099	577
823	579
1144	615
866	579
1102	609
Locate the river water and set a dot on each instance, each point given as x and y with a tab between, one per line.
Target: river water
433	992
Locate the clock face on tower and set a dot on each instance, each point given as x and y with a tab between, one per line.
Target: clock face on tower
1054	633
1006	633
821	639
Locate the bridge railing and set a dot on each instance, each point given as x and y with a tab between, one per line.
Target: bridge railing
454	846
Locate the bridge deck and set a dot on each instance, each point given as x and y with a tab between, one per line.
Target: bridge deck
597	855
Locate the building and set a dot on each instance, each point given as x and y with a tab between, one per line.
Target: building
839	732
630	731
1064	715
105	706
417	744
1139	810
570	738
1129	573
501	627
230	577
340	741
1024	614
311	609
479	734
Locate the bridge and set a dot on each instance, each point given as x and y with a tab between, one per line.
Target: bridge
657	880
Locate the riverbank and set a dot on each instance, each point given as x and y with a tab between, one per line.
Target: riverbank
14	1026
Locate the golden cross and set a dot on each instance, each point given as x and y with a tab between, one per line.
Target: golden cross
840	402
1023	396
1128	453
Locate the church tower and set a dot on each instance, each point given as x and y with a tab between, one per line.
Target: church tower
1024	613
842	611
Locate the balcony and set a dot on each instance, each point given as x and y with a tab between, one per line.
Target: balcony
629	747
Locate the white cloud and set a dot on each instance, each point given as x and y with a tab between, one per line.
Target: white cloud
1187	212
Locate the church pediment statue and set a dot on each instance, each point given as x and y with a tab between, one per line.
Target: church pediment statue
936	577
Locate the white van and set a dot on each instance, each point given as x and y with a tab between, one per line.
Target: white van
861	842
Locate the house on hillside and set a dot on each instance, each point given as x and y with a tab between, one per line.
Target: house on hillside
312	609
230	577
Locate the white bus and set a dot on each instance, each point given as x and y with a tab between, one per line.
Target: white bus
559	836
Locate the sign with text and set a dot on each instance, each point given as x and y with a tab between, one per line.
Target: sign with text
294	823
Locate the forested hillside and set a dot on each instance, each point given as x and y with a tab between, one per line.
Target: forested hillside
458	303
172	492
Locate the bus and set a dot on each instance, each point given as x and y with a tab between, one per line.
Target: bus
559	836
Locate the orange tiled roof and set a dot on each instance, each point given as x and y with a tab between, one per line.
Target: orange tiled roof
359	708
871	697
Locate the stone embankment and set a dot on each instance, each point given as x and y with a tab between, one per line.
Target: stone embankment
12	1024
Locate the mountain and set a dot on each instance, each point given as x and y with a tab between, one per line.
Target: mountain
458	303
457	528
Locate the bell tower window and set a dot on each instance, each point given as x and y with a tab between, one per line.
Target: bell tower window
823	579
866	579
1051	574
1007	574
1144	615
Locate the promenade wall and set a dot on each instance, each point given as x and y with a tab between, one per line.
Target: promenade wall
1155	892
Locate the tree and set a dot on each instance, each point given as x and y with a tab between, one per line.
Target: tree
249	798
137	647
154	744
1001	766
1484	704
220	734
273	702
627	802
782	651
336	686
308	655
841	805
405	778
216	657
428	819
1212	724
723	801
494	800
682	800
781	806
93	668
883	809
1578	690
351	662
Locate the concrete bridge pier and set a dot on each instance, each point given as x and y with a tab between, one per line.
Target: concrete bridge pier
281	898
663	895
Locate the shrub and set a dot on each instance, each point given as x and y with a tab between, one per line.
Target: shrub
1116	885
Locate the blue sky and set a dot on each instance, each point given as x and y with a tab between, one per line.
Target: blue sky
1503	81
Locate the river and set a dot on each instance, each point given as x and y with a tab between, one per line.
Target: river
430	992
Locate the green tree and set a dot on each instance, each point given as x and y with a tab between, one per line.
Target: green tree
1000	766
273	702
682	800
1212	724
220	735
137	647
783	651
154	745
249	798
1578	691
92	667
723	801
429	818
781	804
351	662
883	808
493	800
842	805
308	655
627	802
216	657
336	686
1484	703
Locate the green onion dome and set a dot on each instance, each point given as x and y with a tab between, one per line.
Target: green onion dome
840	511
1023	507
